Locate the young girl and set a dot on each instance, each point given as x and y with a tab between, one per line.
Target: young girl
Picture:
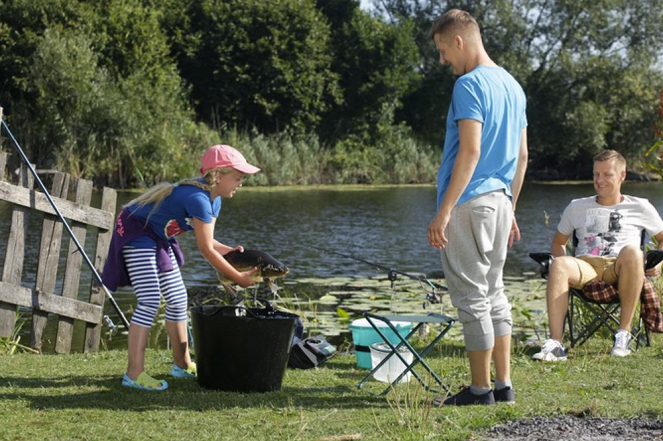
144	254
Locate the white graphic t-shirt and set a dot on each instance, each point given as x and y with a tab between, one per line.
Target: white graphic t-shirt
604	231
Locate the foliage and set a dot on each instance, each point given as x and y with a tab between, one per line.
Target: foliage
656	150
113	90
95	92
394	156
375	62
285	159
587	67
256	64
10	345
391	155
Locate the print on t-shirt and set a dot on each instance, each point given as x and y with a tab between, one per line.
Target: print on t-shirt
173	228
602	225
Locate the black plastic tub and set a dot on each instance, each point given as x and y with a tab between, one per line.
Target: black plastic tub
241	349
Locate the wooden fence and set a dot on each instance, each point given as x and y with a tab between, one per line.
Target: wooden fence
72	198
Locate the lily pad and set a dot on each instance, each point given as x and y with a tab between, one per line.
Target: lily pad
329	299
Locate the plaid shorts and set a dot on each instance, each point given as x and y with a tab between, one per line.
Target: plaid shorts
650	306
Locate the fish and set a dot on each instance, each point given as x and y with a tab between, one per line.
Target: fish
269	268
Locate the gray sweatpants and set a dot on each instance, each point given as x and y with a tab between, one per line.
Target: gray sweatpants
473	260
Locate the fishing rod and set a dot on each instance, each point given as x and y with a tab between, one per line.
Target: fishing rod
66	225
392	274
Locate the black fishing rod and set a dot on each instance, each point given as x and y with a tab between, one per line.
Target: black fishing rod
392	273
124	320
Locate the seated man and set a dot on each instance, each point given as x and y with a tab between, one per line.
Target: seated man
608	227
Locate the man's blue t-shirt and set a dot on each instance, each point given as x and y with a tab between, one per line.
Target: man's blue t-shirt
493	97
175	214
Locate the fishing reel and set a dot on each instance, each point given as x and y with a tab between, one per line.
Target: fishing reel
429	287
112	327
392	276
431	291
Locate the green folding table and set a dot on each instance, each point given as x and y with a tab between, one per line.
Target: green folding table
417	357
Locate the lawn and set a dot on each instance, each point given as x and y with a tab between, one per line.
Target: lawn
79	397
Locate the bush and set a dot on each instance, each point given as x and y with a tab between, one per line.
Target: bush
393	157
285	159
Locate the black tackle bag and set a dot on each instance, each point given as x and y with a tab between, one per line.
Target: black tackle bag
310	352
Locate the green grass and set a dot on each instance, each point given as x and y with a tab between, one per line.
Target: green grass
79	397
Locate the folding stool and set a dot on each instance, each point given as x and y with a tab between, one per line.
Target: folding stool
417	357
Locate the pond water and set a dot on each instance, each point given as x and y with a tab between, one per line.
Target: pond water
306	228
383	225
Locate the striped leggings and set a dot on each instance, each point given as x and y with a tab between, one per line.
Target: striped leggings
149	285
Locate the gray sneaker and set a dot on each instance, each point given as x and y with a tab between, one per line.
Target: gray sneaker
552	350
622	344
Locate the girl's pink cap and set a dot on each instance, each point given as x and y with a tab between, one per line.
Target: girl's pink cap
225	156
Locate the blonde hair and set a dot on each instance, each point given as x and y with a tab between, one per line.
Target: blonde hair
159	192
607	155
454	21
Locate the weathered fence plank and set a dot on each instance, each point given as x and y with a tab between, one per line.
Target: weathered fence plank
48	301
15	254
97	294
71	210
49	258
73	270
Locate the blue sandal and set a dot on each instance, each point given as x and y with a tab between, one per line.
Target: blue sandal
189	372
144	382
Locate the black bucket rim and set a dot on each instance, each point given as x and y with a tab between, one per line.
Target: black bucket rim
256	313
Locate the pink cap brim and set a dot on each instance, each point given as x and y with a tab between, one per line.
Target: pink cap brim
246	168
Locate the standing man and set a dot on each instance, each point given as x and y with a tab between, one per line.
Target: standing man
478	183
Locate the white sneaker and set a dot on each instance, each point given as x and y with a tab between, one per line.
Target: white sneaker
622	342
552	350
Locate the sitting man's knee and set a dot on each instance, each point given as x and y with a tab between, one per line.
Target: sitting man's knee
564	273
562	265
630	259
631	253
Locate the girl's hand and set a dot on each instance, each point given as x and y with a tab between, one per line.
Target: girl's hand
246	278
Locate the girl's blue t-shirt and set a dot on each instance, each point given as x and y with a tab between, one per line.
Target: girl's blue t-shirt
175	214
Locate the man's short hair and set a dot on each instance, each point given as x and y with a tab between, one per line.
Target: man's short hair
607	155
453	21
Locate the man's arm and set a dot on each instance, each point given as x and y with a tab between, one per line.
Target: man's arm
558	245
521	167
517	185
659	240
469	152
469	135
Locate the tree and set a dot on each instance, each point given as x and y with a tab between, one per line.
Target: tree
655	152
255	64
94	91
581	64
376	64
594	62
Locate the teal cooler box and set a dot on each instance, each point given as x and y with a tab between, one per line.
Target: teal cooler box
364	335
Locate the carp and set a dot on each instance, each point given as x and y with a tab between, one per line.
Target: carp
269	268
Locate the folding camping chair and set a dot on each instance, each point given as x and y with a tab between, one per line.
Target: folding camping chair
417	357
601	314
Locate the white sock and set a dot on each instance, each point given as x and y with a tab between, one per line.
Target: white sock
479	390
